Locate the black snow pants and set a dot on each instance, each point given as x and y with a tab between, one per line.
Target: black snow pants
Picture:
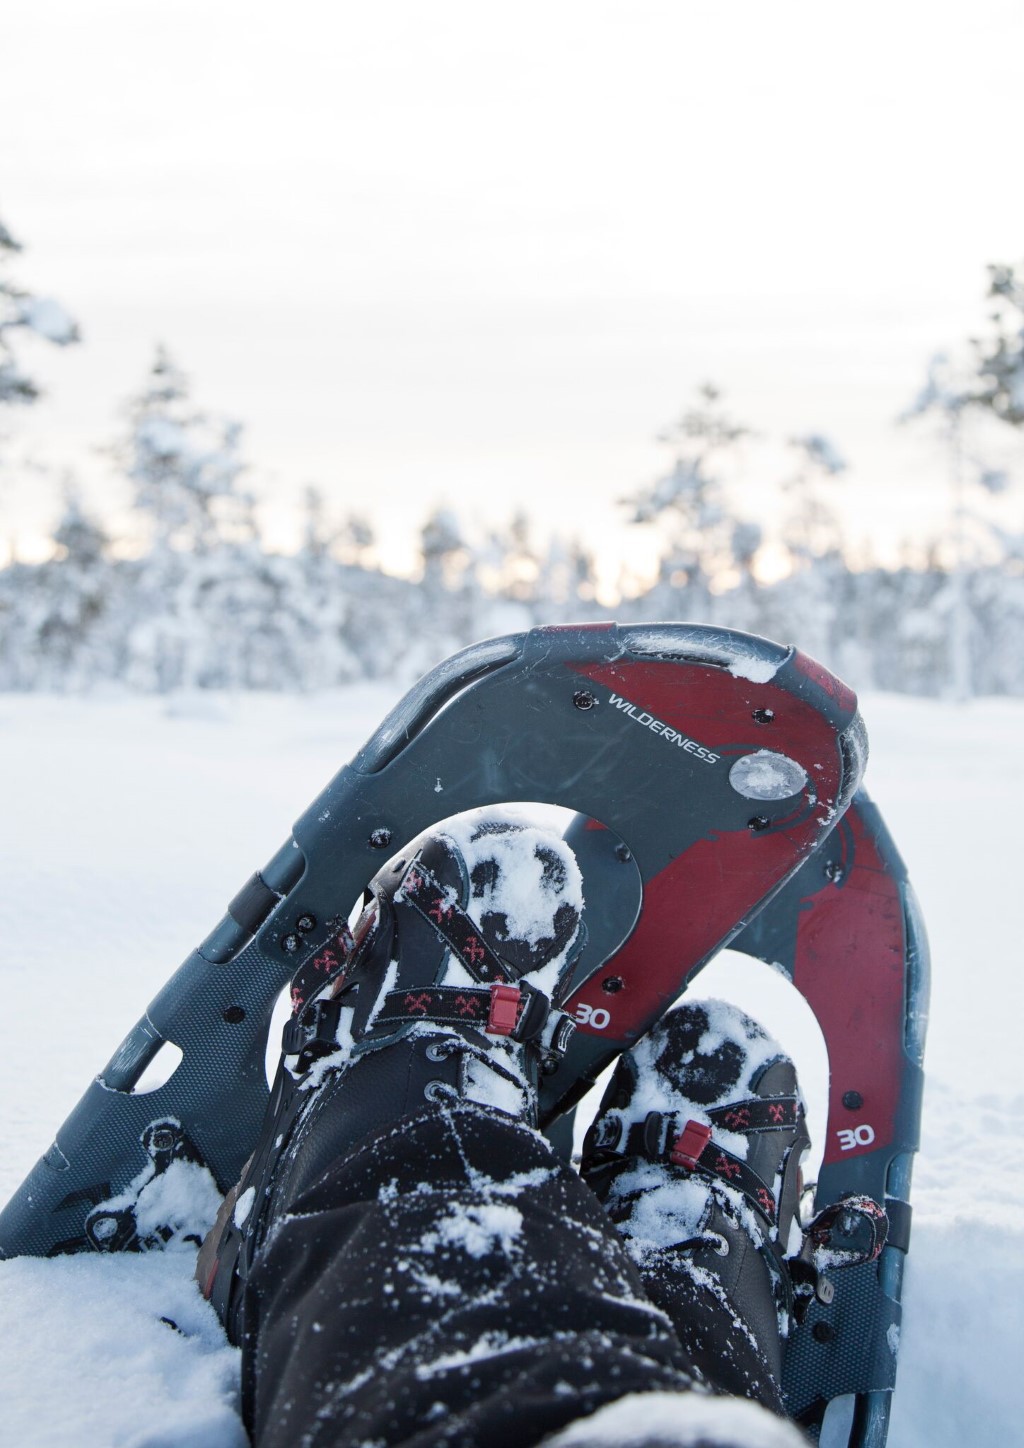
452	1284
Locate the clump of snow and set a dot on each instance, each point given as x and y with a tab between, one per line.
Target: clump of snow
758	671
243	1206
489	1345
733	651
49	319
184	1199
477	1229
491	1088
174	1208
678	1420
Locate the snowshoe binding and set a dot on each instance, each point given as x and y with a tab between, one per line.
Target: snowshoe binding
696	1155
449	992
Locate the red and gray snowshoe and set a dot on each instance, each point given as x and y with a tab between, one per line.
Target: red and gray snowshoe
713	778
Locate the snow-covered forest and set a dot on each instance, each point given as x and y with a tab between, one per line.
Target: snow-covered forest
182	589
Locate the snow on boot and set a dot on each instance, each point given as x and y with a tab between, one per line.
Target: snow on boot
696	1153
448	991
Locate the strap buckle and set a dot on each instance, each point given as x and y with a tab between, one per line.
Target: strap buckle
318	1022
504	1013
689	1144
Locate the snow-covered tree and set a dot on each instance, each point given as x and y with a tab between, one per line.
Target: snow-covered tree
22	313
183	465
999	358
951	395
705	540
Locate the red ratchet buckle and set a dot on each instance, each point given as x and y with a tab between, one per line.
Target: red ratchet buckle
689	1144
504	1013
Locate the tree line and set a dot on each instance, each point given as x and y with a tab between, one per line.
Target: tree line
202	601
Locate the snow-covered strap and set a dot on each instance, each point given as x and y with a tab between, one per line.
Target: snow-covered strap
688	1146
420	889
847	1233
715	1161
519	1011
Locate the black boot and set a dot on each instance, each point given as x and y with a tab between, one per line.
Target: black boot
447	992
696	1154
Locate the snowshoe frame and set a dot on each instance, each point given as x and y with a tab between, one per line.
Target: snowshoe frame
639	730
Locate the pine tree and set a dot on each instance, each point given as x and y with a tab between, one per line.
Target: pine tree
183	464
705	540
999	358
184	467
21	312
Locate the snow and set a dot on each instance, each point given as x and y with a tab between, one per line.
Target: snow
676	1422
741	658
243	1206
758	671
125	831
48	319
477	1229
526	875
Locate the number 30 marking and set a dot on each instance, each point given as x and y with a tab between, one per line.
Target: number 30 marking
595	1016
859	1136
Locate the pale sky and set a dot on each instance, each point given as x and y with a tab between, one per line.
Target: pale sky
479	254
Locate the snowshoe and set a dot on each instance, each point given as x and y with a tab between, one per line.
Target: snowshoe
708	771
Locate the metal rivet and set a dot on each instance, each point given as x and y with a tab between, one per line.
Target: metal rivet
161	1140
758	823
623	853
306	923
763	716
823	1332
584	699
853	1100
834	871
291	943
380	838
613	984
234	1014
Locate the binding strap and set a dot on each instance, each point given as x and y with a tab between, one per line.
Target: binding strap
520	1011
422	891
848	1232
688	1145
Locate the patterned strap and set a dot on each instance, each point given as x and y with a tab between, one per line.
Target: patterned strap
759	1113
420	889
330	963
688	1145
519	1011
716	1162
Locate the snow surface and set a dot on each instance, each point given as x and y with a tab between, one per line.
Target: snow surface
125	830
